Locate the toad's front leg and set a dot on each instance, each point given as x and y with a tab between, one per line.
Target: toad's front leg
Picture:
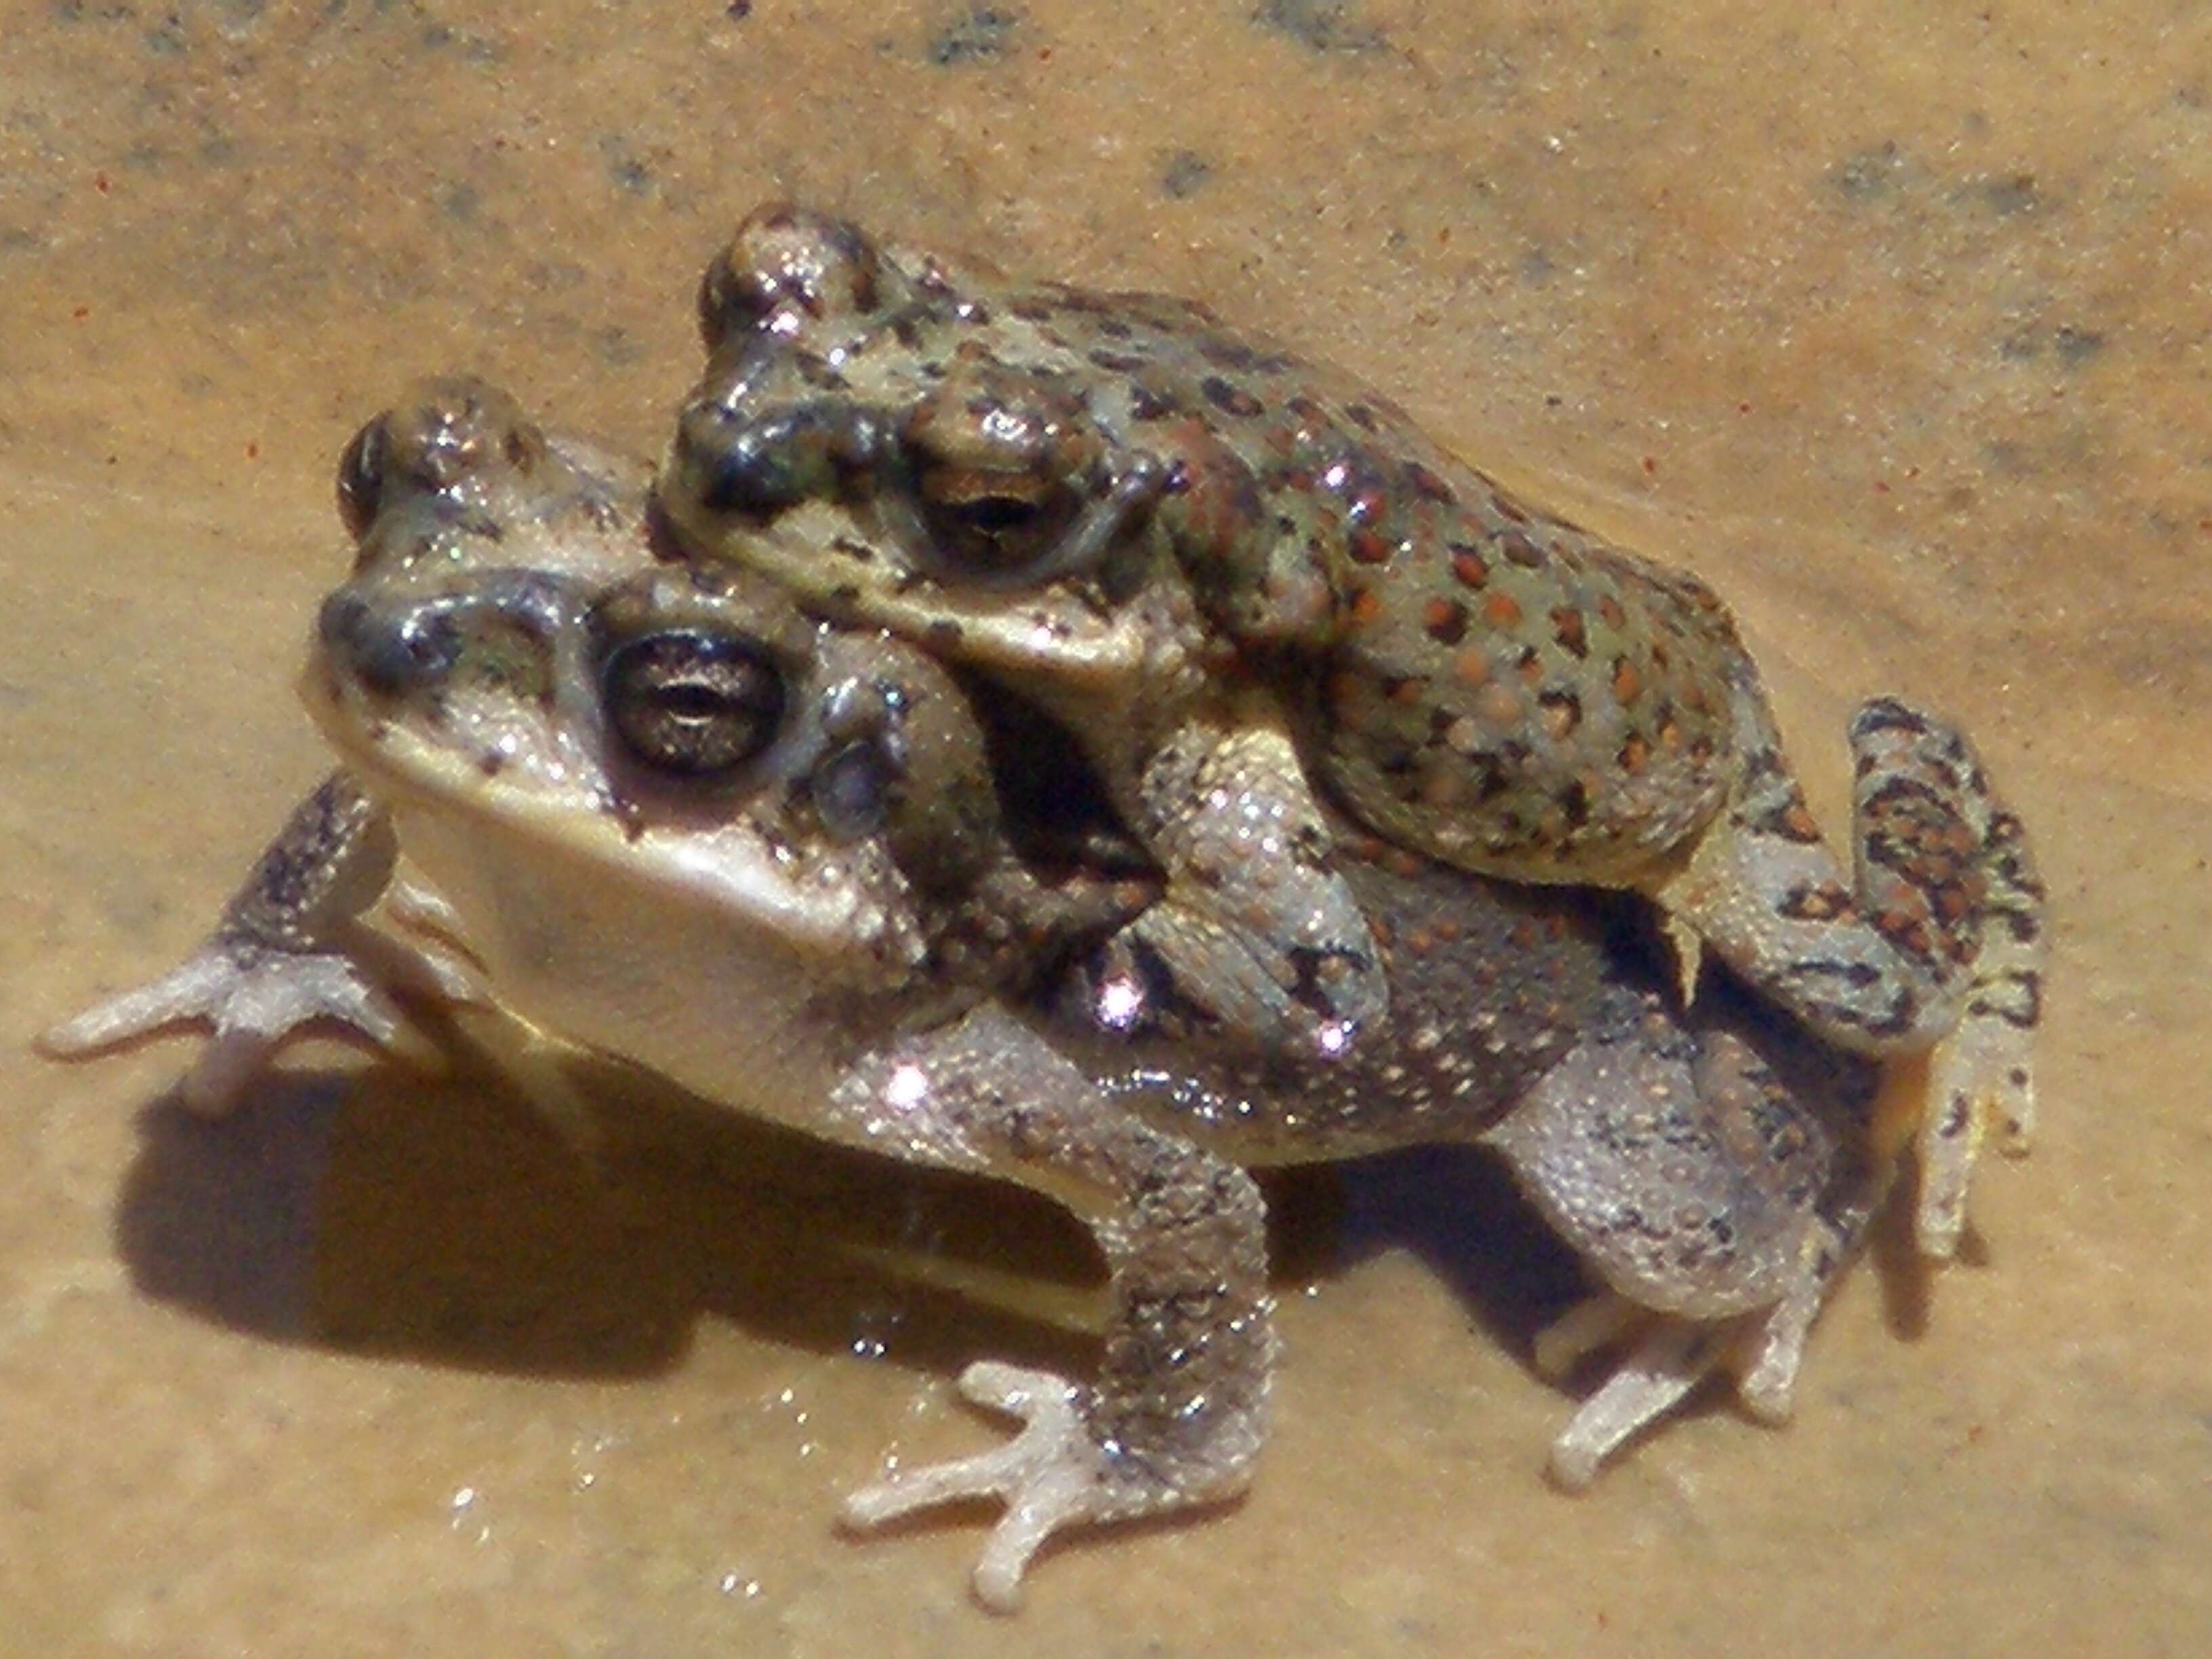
1178	1410
289	953
1256	931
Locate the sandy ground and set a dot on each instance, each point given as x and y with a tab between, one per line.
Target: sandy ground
1892	321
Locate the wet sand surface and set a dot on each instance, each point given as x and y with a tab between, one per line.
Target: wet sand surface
1893	326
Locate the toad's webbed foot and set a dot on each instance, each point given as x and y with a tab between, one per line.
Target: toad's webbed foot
252	998
1667	1356
288	955
1982	1074
1051	1476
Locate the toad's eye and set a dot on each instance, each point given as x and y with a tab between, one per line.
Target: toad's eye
441	435
994	523
360	477
785	271
692	701
1001	468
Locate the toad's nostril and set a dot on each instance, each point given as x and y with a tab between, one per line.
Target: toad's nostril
388	652
701	430
723	463
340	617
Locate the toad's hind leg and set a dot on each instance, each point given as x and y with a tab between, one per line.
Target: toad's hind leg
1982	1073
1936	948
1676	1165
1715	1197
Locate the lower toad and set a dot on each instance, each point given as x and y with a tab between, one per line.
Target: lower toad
665	816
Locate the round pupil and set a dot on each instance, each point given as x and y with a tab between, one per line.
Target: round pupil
693	702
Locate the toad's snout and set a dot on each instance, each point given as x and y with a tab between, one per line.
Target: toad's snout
400	645
388	650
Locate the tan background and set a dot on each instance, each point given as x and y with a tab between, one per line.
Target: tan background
1891	320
